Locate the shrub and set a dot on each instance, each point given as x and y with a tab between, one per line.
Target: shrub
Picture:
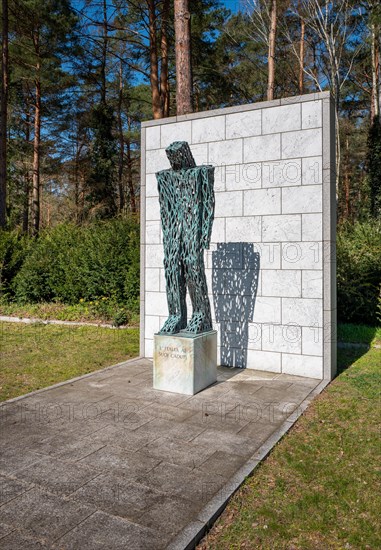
359	272
45	273
120	318
70	263
13	250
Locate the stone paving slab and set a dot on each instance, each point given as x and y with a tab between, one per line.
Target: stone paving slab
105	461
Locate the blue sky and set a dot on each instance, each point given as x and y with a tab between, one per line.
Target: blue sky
232	5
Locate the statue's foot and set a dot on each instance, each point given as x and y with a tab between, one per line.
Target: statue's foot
173	324
198	323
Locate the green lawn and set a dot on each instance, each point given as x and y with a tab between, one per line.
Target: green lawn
33	356
320	486
358	334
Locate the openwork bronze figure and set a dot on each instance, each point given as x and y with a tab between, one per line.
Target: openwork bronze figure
187	209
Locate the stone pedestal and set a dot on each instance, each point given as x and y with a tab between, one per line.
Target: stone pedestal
185	363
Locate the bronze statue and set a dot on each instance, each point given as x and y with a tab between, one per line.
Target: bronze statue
187	210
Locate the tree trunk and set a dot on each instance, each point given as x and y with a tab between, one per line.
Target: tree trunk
26	200
47	211
36	158
375	50
301	55
315	71
3	116
346	181
183	58
82	195
76	179
336	89
27	185
164	81
154	65
196	97
121	140
130	183
271	55
104	54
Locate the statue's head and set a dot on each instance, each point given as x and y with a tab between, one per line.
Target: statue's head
179	155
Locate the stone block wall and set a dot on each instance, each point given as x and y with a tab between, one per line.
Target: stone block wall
275	203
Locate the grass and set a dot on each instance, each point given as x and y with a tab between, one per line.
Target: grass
358	334
320	486
35	355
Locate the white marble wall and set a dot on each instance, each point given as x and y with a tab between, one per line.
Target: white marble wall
270	167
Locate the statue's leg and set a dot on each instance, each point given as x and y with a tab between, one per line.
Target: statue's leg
201	319
175	286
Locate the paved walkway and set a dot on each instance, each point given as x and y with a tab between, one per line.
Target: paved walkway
106	462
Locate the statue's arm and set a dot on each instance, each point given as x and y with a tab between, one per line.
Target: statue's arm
162	188
208	205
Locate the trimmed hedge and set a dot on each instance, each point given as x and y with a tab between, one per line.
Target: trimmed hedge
70	263
359	272
14	248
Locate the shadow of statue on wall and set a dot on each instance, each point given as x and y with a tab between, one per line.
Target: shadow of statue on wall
235	272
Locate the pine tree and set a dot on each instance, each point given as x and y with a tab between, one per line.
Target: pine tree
42	39
4	113
101	197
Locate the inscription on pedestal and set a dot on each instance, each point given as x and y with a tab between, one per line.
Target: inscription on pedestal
171	352
185	364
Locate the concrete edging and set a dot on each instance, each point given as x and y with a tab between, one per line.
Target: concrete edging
31	320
